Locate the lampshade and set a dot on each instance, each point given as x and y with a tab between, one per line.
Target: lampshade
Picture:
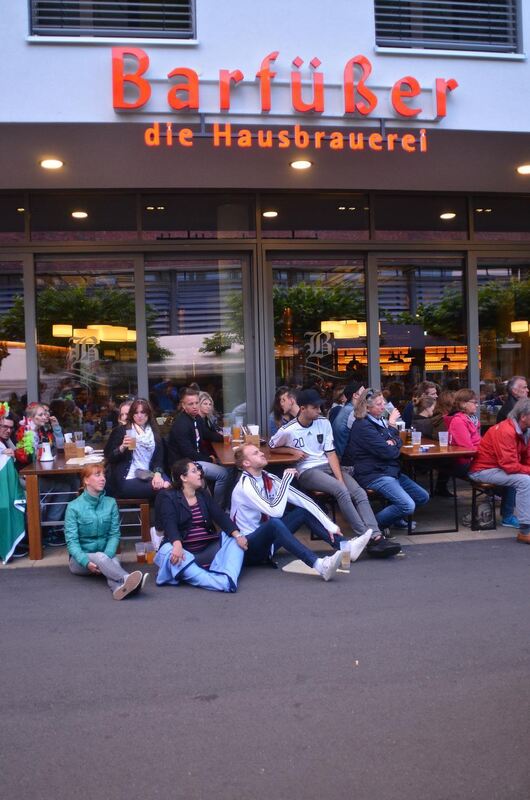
519	326
131	336
62	331
334	326
86	333
113	333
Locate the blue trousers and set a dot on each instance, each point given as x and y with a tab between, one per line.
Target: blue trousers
404	495
276	533
221	576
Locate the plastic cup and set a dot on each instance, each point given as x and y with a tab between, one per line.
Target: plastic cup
78	435
416	438
140	552
443	439
227	438
131	433
236	432
80	447
149	553
345	556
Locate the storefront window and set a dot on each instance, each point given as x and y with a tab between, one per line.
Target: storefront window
319	320
424	218
12	214
504	317
342	217
13	372
166	217
505	219
422	324
196	307
86	340
83	218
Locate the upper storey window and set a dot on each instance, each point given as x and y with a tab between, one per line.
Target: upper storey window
485	25
167	19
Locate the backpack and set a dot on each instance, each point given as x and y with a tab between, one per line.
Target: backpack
484	517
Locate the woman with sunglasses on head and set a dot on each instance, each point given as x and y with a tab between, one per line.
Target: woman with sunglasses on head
135	454
192	550
92	531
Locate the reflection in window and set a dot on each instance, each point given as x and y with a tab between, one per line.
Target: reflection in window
501	218
319	320
89	217
171	216
422	323
13	373
405	218
343	217
12	215
86	341
504	319
198	319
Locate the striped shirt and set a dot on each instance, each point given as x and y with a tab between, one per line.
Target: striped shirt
198	537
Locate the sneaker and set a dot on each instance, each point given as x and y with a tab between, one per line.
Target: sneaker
144	580
20	551
330	565
132	583
382	548
54	538
357	545
510	522
402	524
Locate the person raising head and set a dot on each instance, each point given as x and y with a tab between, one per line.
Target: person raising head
192	550
92	532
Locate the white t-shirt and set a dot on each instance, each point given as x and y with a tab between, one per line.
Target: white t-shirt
316	440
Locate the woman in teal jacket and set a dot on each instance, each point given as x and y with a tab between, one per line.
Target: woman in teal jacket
92	533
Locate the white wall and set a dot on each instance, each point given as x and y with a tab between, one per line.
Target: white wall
72	82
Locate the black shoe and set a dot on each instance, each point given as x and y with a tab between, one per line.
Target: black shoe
382	548
54	538
20	551
386	532
443	491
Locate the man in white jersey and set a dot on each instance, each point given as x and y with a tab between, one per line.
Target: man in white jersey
319	470
259	496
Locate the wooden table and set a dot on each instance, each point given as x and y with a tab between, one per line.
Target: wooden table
225	454
413	456
32	473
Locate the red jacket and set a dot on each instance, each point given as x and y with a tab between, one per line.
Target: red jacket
503	448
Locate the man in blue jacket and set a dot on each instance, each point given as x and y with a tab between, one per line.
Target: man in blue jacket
374	447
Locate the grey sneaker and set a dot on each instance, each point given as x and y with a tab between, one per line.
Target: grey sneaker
131	584
357	545
330	565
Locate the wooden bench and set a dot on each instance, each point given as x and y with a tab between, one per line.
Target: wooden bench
142	507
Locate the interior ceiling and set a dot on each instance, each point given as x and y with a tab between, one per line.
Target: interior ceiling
115	156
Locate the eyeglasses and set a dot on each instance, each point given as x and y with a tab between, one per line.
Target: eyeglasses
199	467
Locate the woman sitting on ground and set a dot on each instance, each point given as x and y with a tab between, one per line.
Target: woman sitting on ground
374	447
284	408
192	550
92	531
136	462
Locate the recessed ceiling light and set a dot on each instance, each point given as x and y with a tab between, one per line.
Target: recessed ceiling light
448	215
21	210
523	169
351	208
479	210
79	214
271	214
342	208
301	163
149	208
160	208
51	163
488	210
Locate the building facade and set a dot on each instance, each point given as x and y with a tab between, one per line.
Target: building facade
177	242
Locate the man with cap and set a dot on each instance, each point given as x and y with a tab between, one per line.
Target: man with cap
319	470
339	425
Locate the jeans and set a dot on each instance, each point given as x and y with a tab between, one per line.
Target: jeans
404	495
351	498
219	475
276	533
517	482
109	567
221	576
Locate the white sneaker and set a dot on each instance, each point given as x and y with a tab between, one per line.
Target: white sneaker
131	584
357	545
330	565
